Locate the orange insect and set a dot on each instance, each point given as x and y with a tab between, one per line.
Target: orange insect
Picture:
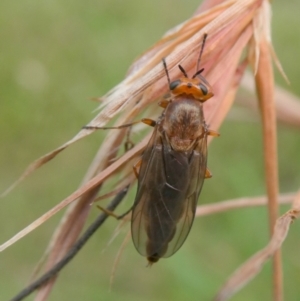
173	168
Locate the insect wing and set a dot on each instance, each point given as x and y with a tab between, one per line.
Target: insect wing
149	185
197	168
168	189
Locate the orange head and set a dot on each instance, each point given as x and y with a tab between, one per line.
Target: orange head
196	87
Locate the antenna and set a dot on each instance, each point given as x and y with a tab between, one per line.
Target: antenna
182	70
200	54
166	69
198	72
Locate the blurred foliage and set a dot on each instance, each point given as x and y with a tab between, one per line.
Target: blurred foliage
55	56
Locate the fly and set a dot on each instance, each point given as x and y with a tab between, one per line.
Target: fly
173	168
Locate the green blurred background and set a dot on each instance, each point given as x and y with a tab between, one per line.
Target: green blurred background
54	57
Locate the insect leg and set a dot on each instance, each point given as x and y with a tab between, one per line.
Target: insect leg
95	127
213	133
111	213
135	167
164	103
128	143
149	121
208	174
90	127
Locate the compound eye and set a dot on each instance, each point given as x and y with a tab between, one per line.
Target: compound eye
203	89
175	84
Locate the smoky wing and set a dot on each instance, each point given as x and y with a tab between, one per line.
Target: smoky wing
169	186
150	181
197	169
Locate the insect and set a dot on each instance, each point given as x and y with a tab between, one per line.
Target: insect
172	168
